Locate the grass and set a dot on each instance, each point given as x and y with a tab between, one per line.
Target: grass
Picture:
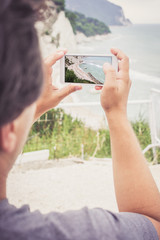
64	136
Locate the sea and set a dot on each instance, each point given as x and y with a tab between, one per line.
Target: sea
141	43
94	65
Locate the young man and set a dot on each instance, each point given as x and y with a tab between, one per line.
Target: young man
21	82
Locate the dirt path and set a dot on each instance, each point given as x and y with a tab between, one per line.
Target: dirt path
64	185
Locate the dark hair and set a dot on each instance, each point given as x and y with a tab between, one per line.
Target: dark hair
21	71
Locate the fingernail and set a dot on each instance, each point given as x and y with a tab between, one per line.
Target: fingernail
60	53
78	88
63	49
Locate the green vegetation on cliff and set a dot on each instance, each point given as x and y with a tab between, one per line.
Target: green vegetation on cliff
88	26
72	78
60	5
103	10
80	23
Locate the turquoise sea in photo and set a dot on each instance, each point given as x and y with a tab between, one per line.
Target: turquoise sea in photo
94	65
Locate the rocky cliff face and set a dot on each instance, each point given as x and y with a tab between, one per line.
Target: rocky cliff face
102	10
63	32
57	33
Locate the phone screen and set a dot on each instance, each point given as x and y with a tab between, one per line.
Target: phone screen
85	69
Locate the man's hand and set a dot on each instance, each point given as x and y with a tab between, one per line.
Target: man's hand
51	95
115	91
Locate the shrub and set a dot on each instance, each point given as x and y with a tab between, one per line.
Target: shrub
88	26
64	136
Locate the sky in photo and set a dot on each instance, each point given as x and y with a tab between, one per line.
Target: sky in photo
140	11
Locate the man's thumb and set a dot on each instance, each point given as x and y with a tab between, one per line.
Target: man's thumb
110	73
64	92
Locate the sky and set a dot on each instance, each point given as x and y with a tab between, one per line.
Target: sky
140	11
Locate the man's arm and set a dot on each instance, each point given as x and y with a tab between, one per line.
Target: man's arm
135	188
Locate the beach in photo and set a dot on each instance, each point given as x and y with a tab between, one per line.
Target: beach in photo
85	69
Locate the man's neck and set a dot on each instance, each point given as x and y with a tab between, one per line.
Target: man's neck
3	184
3	176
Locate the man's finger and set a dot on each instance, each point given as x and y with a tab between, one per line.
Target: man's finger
63	49
124	60
118	53
52	59
98	87
64	92
110	75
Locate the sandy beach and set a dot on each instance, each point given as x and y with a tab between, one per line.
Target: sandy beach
83	75
79	72
65	184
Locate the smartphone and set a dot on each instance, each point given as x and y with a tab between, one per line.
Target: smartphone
85	69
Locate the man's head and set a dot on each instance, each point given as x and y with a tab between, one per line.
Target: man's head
21	71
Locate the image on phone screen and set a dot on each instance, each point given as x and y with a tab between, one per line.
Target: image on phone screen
85	69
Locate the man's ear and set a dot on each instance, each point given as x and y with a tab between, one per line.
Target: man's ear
8	138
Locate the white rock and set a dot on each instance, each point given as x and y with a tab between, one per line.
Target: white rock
62	30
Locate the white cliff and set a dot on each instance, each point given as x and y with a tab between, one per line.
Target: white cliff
62	32
58	35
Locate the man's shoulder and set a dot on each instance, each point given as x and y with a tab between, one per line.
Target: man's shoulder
84	224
